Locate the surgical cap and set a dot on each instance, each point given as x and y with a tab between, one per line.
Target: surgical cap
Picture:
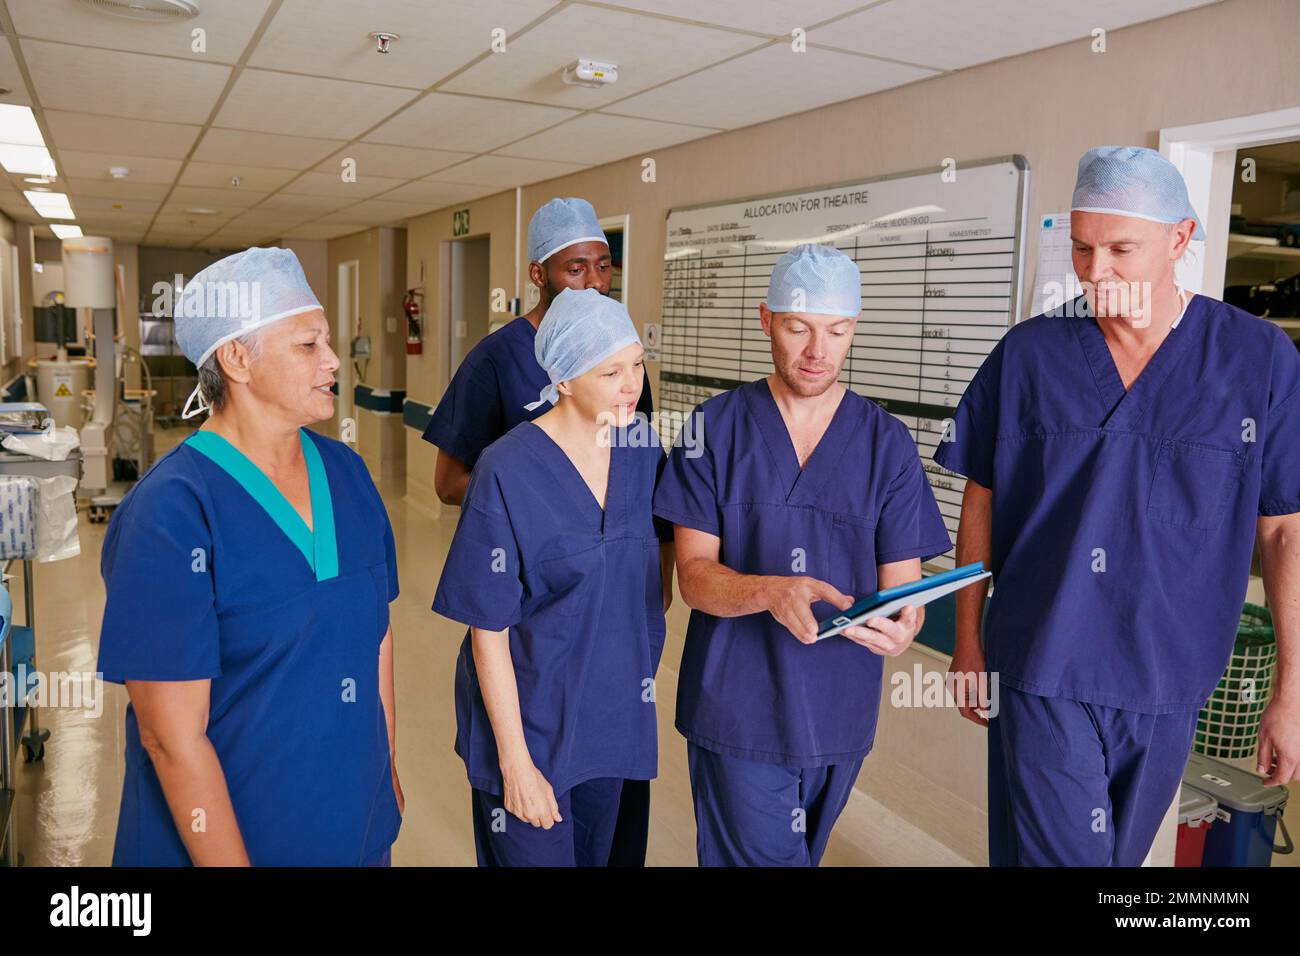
815	279
236	295
560	223
1132	181
579	331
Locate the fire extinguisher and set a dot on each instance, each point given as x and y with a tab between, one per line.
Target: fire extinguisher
414	334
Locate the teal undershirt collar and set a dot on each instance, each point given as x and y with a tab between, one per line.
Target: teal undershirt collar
320	546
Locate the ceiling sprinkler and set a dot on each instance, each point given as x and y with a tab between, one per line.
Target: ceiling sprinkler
384	41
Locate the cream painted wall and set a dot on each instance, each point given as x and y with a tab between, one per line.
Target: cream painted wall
381	262
1230	59
426	376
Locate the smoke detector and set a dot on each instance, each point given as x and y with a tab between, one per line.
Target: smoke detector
590	73
154	11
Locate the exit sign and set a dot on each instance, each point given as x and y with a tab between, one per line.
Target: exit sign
460	222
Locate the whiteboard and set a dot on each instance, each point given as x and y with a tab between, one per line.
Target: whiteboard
941	258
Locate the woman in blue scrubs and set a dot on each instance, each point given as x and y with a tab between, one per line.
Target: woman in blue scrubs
557	566
248	577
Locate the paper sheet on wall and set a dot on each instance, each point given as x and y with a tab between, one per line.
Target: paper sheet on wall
1055	282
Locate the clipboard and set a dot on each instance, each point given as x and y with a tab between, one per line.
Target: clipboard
890	601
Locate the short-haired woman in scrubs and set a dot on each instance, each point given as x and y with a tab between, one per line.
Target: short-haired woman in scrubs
563	576
248	577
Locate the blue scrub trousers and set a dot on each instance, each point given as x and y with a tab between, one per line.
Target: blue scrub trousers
583	838
1079	784
754	813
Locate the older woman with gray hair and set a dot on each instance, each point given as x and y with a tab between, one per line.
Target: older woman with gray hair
248	578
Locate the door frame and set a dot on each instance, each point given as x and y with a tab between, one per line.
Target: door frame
349	299
1206	155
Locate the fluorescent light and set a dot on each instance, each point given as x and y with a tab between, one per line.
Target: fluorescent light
50	205
66	232
26	160
22	148
18	126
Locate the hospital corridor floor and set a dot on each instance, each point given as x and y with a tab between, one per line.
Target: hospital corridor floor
68	803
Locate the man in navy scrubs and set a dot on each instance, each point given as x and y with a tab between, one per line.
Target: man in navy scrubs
805	496
1122	459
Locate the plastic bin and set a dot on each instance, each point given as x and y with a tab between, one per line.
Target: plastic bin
1254	814
1196	813
1228	725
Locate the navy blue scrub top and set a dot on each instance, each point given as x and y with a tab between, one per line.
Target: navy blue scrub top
212	575
1123	522
487	394
748	688
580	592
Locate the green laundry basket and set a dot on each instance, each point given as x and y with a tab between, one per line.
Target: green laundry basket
1228	725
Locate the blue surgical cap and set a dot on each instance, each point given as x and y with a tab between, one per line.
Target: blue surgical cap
815	279
1133	181
234	296
560	223
579	331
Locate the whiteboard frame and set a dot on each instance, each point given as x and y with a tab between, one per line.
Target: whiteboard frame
1019	160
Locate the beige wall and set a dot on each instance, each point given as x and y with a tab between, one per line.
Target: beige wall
381	269
426	374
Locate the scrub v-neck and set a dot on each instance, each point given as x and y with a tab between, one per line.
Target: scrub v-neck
317	544
567	470
1122	405
799	483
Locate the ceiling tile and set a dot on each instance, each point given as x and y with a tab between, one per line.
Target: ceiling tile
646	50
599	138
115	134
320	230
138	207
773	17
307	205
81	79
141	169
758	86
504	171
471	124
436	194
11	79
401	162
227	26
263	149
306	105
373	212
216	198
330	184
219	175
436	38
114	188
951	36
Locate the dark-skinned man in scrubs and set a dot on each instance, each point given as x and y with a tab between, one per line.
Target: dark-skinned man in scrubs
1122	457
500	376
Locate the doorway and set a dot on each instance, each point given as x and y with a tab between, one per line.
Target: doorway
466	297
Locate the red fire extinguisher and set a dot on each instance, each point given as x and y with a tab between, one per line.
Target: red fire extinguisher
414	334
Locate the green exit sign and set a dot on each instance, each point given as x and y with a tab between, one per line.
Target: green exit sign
460	222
